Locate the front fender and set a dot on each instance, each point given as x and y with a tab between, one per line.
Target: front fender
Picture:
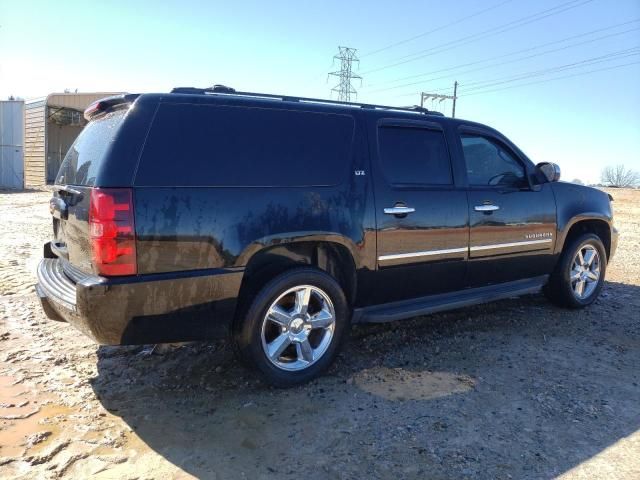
577	203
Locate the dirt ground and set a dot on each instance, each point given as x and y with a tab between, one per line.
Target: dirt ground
513	389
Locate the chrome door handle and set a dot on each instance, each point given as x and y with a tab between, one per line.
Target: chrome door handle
399	210
486	208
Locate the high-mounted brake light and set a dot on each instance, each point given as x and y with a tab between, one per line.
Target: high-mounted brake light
93	109
105	104
112	231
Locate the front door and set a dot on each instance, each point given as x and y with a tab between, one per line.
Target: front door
421	216
512	223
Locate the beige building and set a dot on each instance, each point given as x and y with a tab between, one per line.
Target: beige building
51	125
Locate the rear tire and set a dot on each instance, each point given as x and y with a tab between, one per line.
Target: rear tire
579	275
294	327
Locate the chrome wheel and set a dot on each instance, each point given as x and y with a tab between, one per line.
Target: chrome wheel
585	271
298	328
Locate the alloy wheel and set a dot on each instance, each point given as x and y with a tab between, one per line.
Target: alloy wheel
585	271
298	328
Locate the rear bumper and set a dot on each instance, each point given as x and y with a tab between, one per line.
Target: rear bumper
181	306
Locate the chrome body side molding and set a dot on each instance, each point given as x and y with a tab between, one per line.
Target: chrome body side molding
396	258
426	253
509	245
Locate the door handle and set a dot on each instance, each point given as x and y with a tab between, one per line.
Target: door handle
486	208
399	210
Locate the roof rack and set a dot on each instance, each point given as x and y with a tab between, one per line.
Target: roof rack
224	90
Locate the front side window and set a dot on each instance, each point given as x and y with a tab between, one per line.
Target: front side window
489	164
414	156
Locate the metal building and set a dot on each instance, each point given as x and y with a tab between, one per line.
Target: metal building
51	125
11	144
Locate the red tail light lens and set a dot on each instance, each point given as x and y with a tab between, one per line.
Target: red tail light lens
94	108
112	231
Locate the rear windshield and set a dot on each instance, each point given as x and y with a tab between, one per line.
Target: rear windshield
194	145
85	157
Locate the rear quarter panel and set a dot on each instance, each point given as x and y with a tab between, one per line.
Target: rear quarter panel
196	228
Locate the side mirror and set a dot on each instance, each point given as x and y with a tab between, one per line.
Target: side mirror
550	171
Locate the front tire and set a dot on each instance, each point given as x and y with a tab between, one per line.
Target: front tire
294	327
579	275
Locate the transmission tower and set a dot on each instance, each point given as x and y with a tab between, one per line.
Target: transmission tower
344	88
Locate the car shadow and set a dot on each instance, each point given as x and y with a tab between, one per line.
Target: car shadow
516	388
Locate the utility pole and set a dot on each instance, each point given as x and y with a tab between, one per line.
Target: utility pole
441	98
455	97
344	88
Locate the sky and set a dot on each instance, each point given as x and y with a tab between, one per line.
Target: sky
560	78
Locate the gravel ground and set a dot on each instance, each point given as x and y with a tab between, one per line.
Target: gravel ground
513	389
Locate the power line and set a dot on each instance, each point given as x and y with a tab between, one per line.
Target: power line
550	79
481	84
484	34
562	40
344	88
521	76
437	90
420	82
429	32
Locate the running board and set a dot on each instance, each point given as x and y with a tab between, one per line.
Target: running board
414	307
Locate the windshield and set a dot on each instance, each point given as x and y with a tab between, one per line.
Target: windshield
85	157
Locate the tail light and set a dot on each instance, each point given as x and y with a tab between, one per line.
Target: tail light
112	231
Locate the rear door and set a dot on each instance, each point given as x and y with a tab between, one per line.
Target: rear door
421	215
69	205
512	222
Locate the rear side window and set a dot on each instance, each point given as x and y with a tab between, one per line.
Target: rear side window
489	164
414	156
87	154
207	145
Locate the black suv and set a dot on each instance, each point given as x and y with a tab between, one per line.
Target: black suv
279	221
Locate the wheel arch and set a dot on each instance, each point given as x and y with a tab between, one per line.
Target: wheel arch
330	253
587	223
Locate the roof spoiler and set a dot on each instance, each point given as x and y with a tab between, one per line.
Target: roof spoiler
102	106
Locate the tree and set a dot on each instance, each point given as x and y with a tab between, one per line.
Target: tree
577	181
620	176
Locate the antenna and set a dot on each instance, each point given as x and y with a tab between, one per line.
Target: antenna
344	88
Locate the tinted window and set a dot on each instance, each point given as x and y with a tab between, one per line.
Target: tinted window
87	154
488	163
411	156
206	145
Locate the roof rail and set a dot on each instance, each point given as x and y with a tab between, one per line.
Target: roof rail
223	90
